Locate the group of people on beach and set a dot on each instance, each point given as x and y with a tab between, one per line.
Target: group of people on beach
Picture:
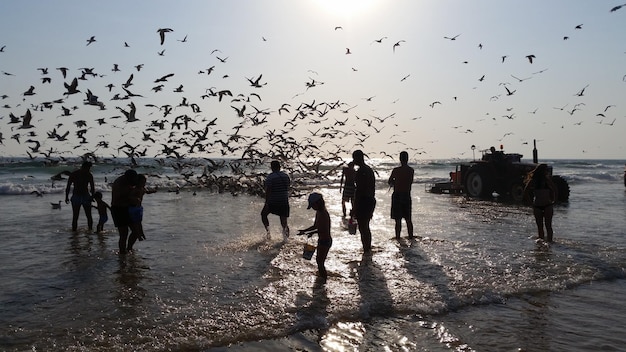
126	208
357	187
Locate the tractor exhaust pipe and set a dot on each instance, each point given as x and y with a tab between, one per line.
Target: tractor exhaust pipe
535	158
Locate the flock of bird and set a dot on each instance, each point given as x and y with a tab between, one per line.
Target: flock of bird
308	135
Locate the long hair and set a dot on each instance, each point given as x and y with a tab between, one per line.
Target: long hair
538	176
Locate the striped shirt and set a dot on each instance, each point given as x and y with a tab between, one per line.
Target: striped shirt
277	186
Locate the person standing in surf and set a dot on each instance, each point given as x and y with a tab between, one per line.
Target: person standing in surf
346	184
364	199
82	180
541	192
121	193
277	186
401	180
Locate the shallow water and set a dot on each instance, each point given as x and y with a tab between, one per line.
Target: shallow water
206	278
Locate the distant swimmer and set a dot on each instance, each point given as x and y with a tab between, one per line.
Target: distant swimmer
38	193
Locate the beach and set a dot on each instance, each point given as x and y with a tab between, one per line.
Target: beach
207	278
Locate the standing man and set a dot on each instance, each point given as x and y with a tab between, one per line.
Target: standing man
121	192
346	184
364	199
401	180
82	179
276	198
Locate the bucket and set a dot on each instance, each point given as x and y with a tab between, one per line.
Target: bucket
309	249
352	226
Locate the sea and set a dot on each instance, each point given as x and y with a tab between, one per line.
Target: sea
208	278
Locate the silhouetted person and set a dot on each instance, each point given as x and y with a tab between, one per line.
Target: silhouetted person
276	198
82	179
346	184
401	180
541	191
102	207
121	193
321	226
364	199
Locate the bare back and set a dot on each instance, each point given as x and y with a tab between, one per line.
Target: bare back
402	178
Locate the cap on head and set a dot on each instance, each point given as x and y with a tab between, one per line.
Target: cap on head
314	198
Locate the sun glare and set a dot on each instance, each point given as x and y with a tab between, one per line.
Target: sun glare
346	8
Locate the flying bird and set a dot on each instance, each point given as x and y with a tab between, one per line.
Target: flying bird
162	32
91	40
26	120
452	38
530	58
30	91
378	40
71	88
397	44
617	7
63	71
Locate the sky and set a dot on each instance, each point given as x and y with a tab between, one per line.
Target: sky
317	78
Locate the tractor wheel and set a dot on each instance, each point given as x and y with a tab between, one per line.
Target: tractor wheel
517	192
562	188
477	184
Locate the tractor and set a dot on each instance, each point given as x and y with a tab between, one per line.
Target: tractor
497	172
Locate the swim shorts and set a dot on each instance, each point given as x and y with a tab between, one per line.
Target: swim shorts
78	199
364	208
401	205
280	209
136	214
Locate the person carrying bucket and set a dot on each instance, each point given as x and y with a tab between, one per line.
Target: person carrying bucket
321	226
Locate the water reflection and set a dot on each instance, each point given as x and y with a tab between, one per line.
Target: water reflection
129	294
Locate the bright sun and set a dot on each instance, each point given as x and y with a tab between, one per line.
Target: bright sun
346	8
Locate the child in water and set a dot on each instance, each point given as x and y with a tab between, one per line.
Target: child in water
321	226
102	207
136	210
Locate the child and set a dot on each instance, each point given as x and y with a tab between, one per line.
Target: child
136	211
321	226
102	207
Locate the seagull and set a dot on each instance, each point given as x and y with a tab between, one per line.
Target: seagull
508	92
26	120
162	32
530	58
452	38
378	40
56	205
130	115
63	71
30	91
71	88
91	40
617	7
582	91
397	44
